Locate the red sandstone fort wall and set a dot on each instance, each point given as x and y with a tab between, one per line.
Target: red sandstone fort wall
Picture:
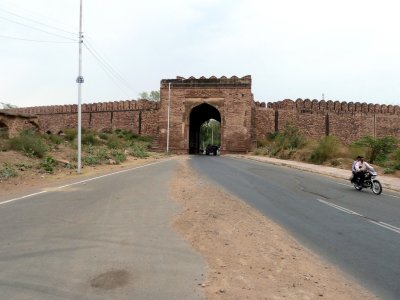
139	116
347	121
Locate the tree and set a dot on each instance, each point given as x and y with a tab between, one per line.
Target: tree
6	105
152	96
210	133
378	148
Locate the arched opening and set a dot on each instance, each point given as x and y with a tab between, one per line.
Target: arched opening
198	116
3	131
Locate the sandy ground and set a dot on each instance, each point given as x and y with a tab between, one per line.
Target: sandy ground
250	257
31	178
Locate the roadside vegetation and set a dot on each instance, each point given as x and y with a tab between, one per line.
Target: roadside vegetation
45	150
290	144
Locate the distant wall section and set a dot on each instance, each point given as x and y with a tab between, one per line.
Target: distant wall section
140	117
346	120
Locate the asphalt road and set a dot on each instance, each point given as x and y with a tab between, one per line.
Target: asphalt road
107	238
357	231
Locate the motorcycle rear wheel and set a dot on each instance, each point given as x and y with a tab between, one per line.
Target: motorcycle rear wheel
376	187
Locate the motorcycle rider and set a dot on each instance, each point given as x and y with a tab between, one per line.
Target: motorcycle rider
361	167
353	168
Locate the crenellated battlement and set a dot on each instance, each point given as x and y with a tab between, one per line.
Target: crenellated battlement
203	82
322	106
114	106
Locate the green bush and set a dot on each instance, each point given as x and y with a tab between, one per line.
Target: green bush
55	139
138	150
91	160
7	171
30	143
102	153
284	144
103	136
70	134
327	147
48	164
89	138
114	142
378	148
118	155
389	171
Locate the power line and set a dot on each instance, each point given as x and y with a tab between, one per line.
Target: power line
108	73
35	14
31	40
37	22
38	29
109	66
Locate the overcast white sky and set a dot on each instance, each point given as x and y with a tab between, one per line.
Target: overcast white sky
347	49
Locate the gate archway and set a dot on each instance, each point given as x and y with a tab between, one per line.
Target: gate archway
198	115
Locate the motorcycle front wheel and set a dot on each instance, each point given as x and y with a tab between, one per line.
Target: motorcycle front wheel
376	187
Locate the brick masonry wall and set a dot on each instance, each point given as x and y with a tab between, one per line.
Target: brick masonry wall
242	120
347	121
139	116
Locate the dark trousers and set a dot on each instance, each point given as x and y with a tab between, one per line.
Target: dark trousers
359	177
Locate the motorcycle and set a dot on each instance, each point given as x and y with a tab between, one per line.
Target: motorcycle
370	181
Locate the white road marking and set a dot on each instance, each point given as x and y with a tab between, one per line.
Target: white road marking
82	181
106	175
23	197
387	226
348	211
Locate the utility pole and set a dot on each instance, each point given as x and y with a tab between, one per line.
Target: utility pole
80	80
168	113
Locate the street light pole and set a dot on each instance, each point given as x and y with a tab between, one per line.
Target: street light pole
80	80
168	112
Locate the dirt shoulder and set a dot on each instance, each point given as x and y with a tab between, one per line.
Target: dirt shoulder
249	256
29	178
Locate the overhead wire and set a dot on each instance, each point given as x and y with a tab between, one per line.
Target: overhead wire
107	71
110	71
38	29
13	6
37	41
37	22
89	42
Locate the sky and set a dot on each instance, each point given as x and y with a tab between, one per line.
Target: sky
345	50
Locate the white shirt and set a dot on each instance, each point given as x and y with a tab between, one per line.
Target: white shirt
363	166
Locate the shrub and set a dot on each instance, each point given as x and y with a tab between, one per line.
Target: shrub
48	164
118	155
389	170
327	147
70	134
55	139
335	163
7	171
114	142
91	160
284	144
102	153
378	148
103	136
30	143
89	138
139	150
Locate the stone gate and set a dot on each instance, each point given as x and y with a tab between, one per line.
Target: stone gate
186	104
